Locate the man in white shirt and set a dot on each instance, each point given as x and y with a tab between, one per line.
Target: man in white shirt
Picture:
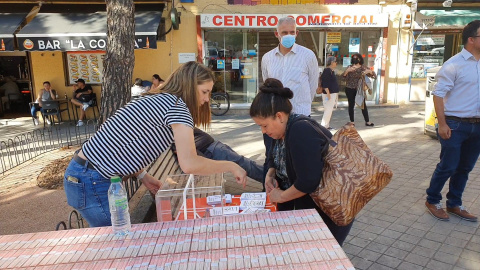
457	105
294	65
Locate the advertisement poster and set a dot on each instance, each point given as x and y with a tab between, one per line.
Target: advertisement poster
346	61
85	65
354	45
220	64
235	63
334	37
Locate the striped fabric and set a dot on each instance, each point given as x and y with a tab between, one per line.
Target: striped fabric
297	70
136	135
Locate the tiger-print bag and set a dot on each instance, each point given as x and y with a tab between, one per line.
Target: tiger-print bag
352	176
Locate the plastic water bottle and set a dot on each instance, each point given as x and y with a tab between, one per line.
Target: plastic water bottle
118	202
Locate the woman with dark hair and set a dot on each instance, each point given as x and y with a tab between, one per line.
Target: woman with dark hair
352	75
296	160
330	91
137	134
157	83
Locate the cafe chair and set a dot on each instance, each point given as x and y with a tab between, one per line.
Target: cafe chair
93	104
50	109
15	101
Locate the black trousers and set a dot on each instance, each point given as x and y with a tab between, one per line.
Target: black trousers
351	93
306	202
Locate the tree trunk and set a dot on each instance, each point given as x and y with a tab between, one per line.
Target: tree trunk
119	59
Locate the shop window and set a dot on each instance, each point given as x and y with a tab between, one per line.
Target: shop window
233	57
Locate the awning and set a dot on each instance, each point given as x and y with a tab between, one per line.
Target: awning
9	22
446	19
82	31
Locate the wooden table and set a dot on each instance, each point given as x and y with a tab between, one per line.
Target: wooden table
279	240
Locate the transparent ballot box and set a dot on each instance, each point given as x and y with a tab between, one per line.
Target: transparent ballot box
185	196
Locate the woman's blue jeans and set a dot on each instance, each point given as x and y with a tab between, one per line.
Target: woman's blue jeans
457	159
87	192
35	110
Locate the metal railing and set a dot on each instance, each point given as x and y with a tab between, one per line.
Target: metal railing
29	145
26	146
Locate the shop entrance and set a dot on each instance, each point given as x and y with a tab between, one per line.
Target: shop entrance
15	85
341	43
431	50
233	57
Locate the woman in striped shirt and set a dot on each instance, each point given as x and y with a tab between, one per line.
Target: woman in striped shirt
137	134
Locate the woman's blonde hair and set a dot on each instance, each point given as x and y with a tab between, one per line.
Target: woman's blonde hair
183	84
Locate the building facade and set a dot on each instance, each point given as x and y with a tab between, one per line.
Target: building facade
398	40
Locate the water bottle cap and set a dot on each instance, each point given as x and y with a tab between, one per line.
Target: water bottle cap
115	179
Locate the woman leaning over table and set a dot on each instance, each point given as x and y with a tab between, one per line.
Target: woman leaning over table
137	134
352	75
296	161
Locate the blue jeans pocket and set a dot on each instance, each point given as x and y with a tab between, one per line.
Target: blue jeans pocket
75	194
453	124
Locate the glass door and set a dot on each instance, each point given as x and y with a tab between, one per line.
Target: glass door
233	57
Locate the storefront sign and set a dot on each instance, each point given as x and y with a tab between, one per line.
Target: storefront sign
431	40
423	21
6	44
77	43
302	20
334	37
85	65
186	57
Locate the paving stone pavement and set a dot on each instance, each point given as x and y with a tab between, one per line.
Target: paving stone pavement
393	231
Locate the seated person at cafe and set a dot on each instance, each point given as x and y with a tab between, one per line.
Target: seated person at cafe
10	92
212	149
137	89
46	94
82	98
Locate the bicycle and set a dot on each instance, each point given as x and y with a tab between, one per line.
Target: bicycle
219	103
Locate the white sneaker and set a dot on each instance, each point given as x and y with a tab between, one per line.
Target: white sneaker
85	107
80	123
35	121
48	121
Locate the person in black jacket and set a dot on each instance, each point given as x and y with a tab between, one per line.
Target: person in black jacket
330	90
296	160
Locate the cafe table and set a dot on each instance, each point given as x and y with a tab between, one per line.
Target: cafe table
278	240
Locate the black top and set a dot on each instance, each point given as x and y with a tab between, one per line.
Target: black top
329	80
85	89
305	148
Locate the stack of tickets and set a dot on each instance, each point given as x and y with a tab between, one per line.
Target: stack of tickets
277	240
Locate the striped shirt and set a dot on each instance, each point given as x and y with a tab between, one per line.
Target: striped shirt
297	70
136	135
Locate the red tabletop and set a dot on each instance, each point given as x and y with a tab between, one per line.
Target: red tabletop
277	240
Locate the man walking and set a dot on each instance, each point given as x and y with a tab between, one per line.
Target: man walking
294	65
457	105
